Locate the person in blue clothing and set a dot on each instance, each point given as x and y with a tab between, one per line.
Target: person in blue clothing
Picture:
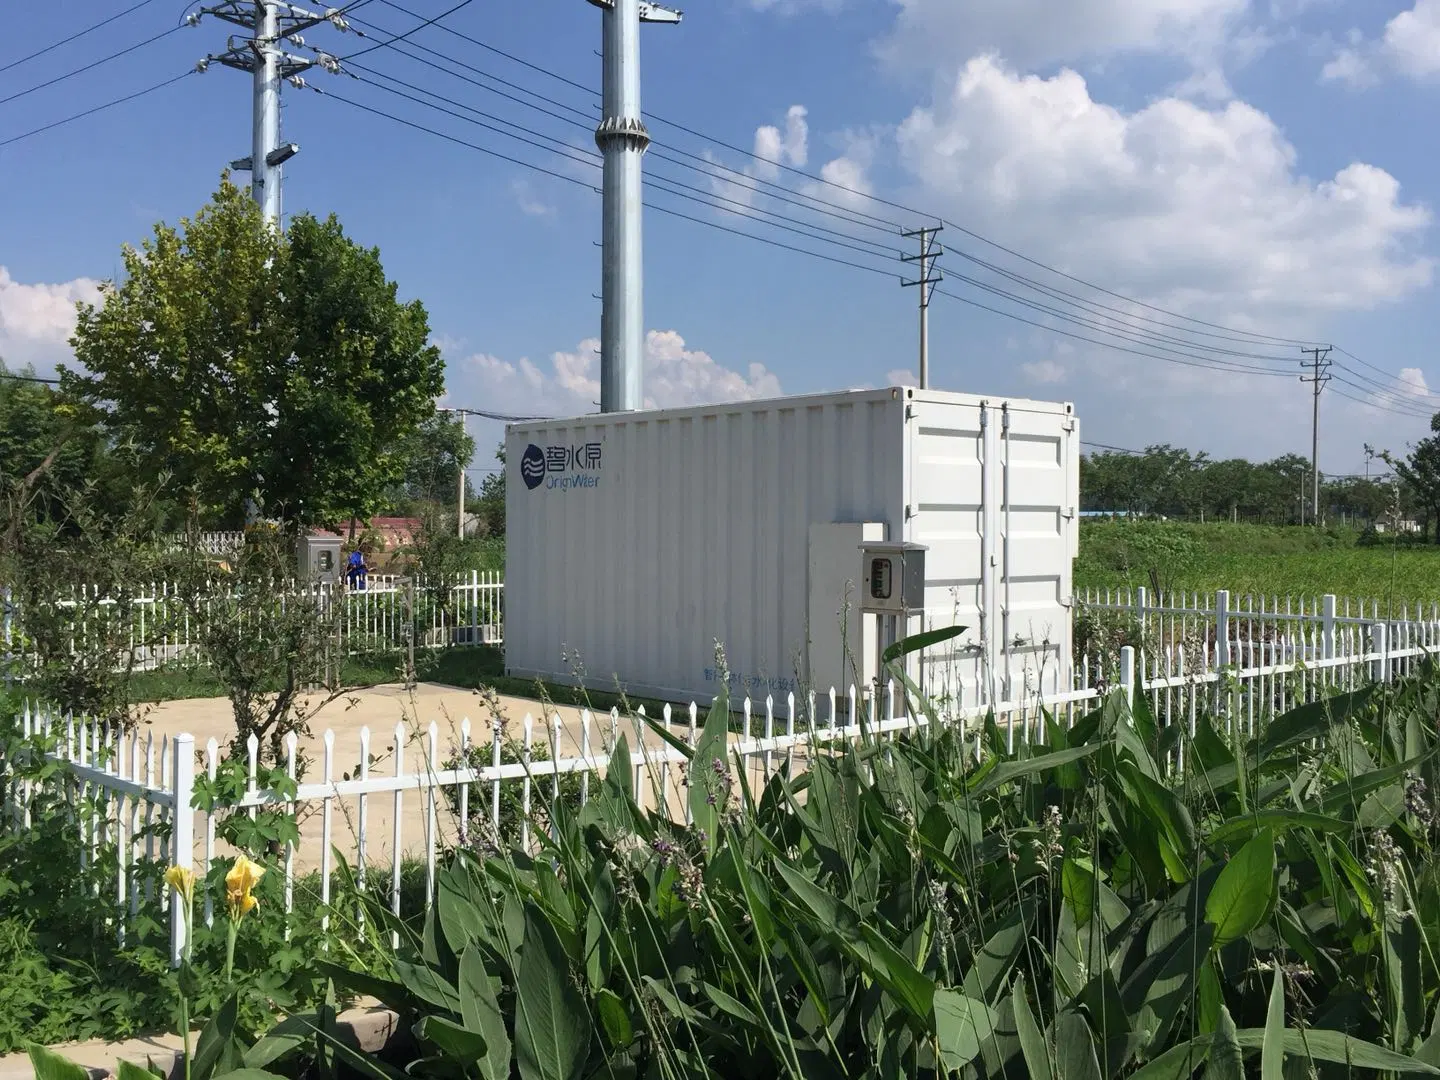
356	570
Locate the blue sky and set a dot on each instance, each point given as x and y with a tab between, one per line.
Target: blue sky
1256	164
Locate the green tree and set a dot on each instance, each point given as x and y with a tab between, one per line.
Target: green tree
1421	472
429	457
491	505
250	362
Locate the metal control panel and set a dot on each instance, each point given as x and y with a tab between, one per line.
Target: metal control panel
892	578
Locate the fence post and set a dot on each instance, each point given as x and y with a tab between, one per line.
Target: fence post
1127	672
474	607
1380	666
1327	624
1141	602
1222	629
182	834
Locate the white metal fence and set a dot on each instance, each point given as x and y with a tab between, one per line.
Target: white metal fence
162	623
413	793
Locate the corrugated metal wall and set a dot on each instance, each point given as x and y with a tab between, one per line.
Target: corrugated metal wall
648	536
696	530
990	485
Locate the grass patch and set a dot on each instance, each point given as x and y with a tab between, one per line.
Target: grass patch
1253	559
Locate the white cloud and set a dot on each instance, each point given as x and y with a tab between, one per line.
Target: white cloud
774	147
778	149
1035	33
1201	209
1413	380
530	204
797	7
1409	46
675	376
36	321
901	377
1044	372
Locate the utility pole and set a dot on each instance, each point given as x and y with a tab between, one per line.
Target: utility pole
460	467
1319	366
930	276
622	140
270	23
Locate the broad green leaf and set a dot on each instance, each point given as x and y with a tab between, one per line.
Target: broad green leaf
1320	1044
614	1019
481	1012
461	918
426	984
739	1010
1032	1040
369	1065
706	768
600	922
993	963
1177	1063
466	1047
1349	791
291	1034
49	1065
1272	1052
215	1036
962	1026
1008	771
1242	893
125	1070
247	1074
1075	1048
1226	1060
916	642
1079	887
552	1024
881	960
1277	821
1312	720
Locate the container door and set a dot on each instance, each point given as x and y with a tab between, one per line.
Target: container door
841	644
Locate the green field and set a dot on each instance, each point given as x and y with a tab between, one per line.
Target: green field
1254	559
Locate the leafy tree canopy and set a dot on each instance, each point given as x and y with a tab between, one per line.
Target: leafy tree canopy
249	362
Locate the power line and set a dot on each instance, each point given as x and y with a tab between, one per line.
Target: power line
1161	352
700	196
75	36
401	37
90	66
92	111
1215	330
28	378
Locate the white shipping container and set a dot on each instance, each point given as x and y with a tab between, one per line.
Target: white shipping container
636	541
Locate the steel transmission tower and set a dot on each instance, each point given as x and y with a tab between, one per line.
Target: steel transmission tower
271	24
622	140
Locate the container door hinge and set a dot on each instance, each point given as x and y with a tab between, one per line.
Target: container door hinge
909	511
1068	602
1069	424
1069	514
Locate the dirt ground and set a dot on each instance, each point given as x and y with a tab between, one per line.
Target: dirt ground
390	710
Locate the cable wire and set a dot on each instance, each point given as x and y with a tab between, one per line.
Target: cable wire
75	36
98	108
90	66
434	21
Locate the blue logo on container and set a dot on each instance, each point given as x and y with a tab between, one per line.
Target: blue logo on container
532	466
561	468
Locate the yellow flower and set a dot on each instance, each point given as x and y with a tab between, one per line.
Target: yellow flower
244	875
182	880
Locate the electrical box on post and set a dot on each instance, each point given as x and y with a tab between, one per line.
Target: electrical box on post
892	578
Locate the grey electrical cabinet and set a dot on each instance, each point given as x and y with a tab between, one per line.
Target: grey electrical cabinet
319	557
892	578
